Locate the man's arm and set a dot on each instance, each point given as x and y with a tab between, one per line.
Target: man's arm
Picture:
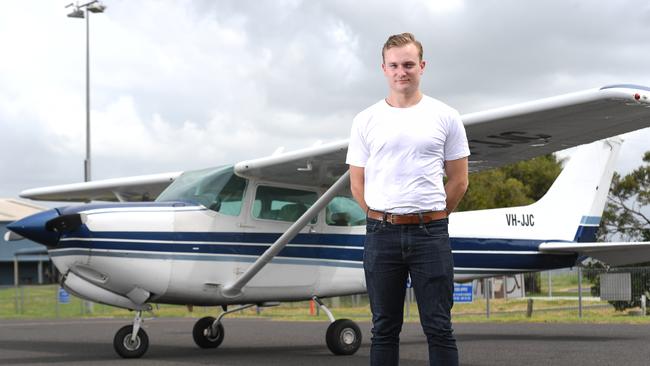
457	182
357	185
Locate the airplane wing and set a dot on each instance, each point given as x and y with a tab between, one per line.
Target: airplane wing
315	166
140	188
523	131
612	253
496	137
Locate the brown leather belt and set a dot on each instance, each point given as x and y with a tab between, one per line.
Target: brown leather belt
407	219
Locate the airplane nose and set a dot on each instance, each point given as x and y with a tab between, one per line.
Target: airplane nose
34	228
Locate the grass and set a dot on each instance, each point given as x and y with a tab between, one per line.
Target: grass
32	302
563	284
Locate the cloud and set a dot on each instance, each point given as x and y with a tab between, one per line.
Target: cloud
180	85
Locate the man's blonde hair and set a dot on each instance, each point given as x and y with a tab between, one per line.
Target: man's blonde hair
399	40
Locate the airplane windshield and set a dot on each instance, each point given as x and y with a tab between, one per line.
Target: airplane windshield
218	189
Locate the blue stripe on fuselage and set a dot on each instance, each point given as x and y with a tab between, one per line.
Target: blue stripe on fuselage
222	237
219	248
492	253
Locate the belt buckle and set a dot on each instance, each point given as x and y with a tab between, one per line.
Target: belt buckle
390	218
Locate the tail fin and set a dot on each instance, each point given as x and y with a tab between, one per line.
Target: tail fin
569	211
579	193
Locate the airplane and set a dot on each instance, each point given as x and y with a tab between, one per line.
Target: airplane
285	228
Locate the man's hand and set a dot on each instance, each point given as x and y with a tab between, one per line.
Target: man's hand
457	182
357	185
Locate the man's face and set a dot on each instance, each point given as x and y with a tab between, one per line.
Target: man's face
403	68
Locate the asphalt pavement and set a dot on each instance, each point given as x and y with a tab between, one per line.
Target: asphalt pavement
268	342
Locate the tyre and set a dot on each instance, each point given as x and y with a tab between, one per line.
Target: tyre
202	333
128	348
343	337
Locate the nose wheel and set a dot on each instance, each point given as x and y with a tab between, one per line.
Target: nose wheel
131	341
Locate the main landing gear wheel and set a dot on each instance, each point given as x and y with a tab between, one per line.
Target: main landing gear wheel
343	337
204	334
208	332
126	346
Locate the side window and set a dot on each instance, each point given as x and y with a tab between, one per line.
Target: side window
282	204
344	211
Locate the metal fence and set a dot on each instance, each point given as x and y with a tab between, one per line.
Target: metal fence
622	288
580	288
622	283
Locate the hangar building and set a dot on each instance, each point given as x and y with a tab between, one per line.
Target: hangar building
34	266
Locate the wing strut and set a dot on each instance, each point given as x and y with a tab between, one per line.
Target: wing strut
235	289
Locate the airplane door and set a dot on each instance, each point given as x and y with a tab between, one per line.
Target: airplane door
271	211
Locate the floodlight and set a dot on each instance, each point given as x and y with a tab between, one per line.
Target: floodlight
77	13
96	7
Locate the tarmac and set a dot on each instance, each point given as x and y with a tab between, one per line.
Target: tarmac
269	342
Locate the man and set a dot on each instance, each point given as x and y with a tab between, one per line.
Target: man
399	150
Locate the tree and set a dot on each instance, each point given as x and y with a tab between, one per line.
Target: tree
624	217
516	184
627	198
538	174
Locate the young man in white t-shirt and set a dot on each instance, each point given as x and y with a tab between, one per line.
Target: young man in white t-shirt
399	150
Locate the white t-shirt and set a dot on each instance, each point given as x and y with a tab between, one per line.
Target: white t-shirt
403	151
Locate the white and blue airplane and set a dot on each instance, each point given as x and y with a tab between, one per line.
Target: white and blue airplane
285	228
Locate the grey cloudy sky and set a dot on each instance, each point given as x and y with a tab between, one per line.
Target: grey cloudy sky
180	85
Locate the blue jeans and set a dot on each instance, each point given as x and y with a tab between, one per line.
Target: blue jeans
391	253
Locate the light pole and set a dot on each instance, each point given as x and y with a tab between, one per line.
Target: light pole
92	7
77	12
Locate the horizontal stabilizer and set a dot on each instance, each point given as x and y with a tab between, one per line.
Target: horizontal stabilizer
612	253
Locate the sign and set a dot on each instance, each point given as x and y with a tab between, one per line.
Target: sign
64	296
408	282
463	292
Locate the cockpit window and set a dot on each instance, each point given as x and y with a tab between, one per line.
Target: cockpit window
344	211
218	189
